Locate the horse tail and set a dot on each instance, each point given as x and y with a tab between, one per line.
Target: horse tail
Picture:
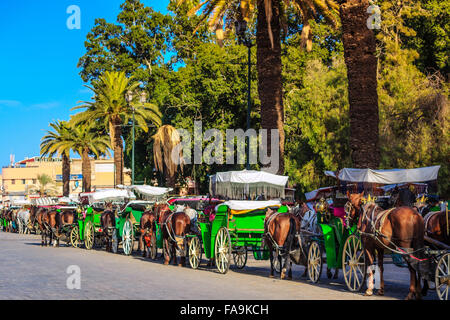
291	233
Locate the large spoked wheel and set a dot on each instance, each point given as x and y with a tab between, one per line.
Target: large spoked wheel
195	253
223	250
114	242
75	237
127	237
89	235
442	277
354	264
240	257
314	262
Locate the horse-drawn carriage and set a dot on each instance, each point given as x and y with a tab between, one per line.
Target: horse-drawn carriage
359	215
89	229
236	227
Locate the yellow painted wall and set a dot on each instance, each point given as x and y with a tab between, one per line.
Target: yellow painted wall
12	179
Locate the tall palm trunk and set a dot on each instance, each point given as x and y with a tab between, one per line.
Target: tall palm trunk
359	52
270	87
86	169
66	174
115	131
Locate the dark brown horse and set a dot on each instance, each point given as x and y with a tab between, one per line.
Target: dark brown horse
50	225
174	227
148	231
398	229
108	223
68	218
280	230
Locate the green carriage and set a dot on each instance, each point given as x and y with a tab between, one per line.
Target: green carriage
89	229
236	227
342	247
128	220
127	228
339	238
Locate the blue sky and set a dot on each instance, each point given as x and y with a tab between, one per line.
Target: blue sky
40	80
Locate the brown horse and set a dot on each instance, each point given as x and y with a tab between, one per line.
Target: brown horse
280	229
108	224
398	229
49	221
175	227
148	231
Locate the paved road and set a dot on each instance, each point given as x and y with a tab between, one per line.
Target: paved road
29	271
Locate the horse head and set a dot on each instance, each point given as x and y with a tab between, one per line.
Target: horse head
353	207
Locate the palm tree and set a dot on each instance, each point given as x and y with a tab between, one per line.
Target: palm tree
268	40
58	142
44	186
359	52
165	141
85	141
111	108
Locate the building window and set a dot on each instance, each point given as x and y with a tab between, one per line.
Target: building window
34	181
13	181
23	181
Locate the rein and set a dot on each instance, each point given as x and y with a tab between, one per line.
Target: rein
377	233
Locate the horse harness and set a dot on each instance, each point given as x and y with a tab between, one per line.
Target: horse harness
280	249
380	218
173	237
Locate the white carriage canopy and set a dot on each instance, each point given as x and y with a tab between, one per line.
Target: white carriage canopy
109	195
149	192
391	176
247	183
240	205
43	202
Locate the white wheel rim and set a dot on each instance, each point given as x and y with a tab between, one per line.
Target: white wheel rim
314	262
74	237
222	250
354	264
127	238
442	278
88	236
194	255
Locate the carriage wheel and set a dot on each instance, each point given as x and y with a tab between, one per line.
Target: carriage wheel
442	277
314	262
223	250
89	235
127	238
195	253
114	242
75	237
240	257
353	263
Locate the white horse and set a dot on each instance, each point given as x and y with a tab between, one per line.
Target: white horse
23	219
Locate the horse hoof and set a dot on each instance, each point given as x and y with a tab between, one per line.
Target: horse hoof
166	263
289	278
271	276
380	293
180	265
368	293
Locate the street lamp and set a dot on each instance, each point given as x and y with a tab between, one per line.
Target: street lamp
129	98
243	38
142	100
